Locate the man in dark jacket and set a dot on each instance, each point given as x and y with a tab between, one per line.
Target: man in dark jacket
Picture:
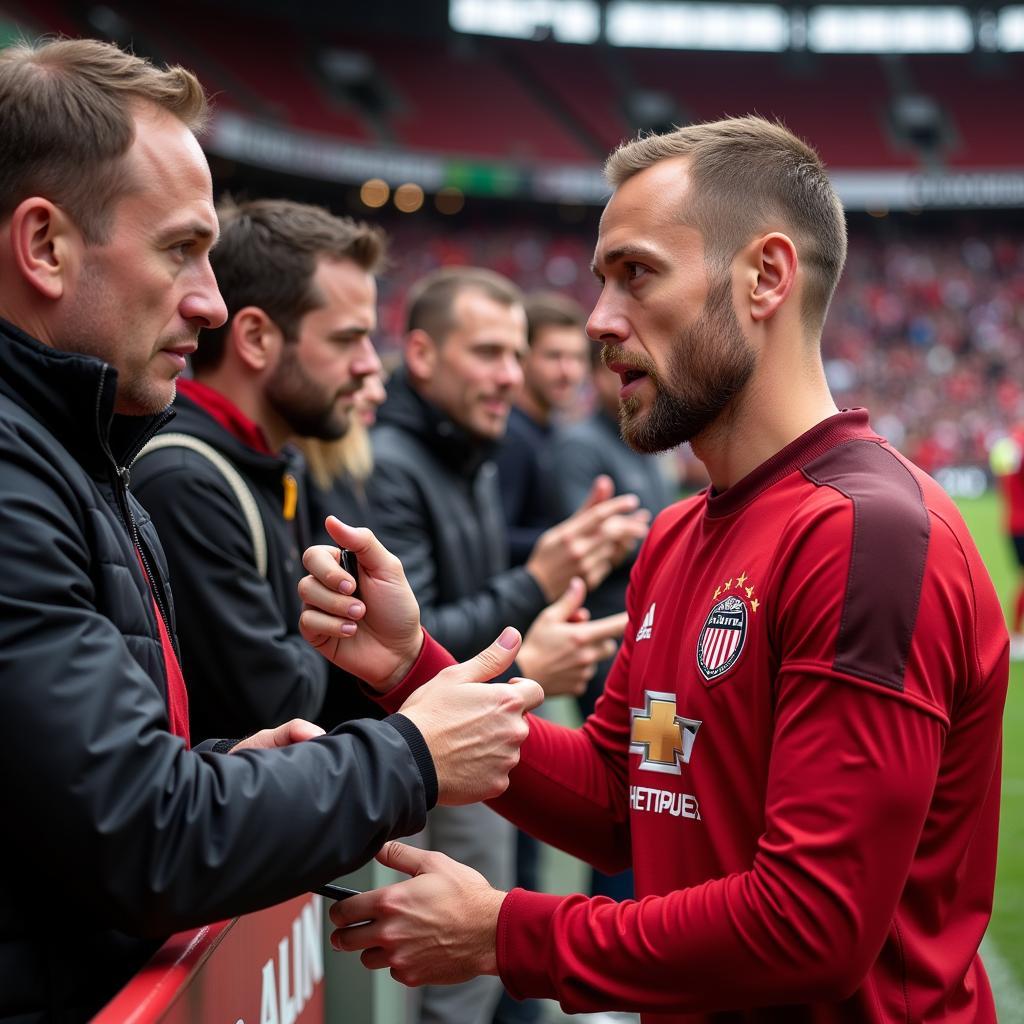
554	368
301	299
106	221
435	501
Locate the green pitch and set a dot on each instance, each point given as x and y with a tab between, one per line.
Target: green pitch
1007	928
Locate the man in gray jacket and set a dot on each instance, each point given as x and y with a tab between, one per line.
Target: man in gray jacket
106	222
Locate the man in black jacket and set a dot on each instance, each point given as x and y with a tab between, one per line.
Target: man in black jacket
301	299
554	368
436	505
117	833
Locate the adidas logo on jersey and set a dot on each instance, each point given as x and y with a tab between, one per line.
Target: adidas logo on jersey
647	626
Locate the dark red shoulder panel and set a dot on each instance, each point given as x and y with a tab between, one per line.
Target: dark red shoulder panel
891	528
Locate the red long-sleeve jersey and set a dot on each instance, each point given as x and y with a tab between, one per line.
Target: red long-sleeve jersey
798	752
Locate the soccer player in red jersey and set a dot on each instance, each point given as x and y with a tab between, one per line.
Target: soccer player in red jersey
798	749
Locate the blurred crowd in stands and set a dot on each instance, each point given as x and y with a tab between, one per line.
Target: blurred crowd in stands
925	331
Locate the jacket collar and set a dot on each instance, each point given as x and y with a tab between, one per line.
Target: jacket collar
196	419
73	395
407	409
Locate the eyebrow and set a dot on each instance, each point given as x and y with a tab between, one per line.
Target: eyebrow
353	331
624	252
194	229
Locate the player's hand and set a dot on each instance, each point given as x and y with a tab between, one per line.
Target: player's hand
375	636
562	648
438	928
474	729
296	731
590	542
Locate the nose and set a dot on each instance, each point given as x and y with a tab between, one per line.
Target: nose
606	323
510	372
203	305
366	362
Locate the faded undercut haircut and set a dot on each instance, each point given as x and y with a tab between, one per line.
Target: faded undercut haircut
267	257
750	176
67	120
432	299
551	309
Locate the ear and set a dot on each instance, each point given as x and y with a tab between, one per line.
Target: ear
46	245
255	339
421	355
774	263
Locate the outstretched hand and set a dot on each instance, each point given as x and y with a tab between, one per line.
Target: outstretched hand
472	728
438	928
375	636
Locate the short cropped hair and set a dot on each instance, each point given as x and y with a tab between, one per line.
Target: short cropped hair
432	298
748	176
267	256
551	309
67	120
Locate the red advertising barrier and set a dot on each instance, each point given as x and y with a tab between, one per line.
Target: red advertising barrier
263	968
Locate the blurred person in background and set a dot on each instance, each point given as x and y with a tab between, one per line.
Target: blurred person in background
339	469
1007	461
106	224
799	745
296	349
434	501
554	368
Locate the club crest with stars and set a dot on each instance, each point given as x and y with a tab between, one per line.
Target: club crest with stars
722	638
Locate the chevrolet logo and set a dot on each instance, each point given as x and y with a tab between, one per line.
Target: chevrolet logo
663	739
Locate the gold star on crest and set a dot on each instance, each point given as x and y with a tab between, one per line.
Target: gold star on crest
728	585
755	604
718	591
742	579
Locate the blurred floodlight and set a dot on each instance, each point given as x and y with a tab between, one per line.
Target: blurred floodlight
568	21
698	26
449	200
374	193
408	197
1011	28
889	30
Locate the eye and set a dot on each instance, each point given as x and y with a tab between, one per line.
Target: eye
635	271
183	248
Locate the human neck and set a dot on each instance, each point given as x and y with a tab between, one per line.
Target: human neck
528	403
771	411
251	404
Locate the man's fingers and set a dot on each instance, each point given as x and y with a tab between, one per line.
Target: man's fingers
314	594
369	552
600	490
315	625
623	505
490	662
565	607
529	691
321	562
611	627
407	859
295	731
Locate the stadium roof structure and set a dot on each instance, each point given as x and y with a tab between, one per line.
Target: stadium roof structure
391	94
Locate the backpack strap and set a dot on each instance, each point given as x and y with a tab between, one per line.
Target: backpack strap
240	489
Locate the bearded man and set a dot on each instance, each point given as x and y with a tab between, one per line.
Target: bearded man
797	749
301	297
